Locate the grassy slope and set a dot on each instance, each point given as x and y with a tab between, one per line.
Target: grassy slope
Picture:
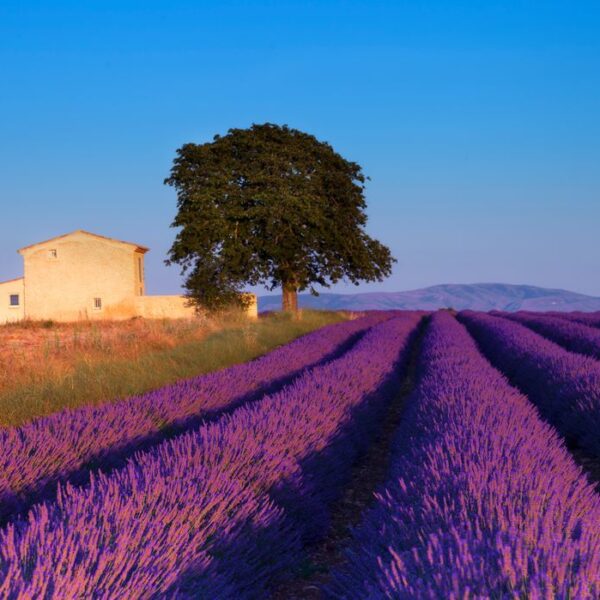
109	376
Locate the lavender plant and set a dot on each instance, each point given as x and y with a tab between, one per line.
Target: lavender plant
591	319
482	499
66	445
564	386
571	335
217	512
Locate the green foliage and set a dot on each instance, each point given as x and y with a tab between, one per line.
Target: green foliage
274	206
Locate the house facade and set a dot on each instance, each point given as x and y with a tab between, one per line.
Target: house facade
82	275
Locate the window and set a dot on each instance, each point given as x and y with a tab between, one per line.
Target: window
14	300
140	271
97	303
52	253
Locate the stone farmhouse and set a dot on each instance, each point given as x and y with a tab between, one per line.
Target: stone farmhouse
82	275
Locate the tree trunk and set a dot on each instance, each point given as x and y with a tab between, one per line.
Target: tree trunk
290	298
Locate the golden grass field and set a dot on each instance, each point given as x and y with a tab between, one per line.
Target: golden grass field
45	367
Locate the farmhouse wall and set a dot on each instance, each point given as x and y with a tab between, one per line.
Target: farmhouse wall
81	277
8	313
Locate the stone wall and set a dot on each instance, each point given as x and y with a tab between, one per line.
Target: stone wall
176	307
163	307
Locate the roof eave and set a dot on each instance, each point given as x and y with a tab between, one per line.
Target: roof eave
138	248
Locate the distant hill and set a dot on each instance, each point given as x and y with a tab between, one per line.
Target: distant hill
477	296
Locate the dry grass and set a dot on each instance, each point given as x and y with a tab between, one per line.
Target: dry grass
32	350
45	367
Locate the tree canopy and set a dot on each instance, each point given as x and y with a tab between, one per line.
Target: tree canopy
274	206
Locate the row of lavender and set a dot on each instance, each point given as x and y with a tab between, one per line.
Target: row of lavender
64	446
564	386
591	319
483	500
220	511
571	335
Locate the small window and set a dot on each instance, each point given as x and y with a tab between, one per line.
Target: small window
14	300
52	253
97	303
140	269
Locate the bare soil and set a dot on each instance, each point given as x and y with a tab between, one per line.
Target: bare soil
367	475
590	465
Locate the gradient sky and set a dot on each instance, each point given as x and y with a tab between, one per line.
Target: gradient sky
478	122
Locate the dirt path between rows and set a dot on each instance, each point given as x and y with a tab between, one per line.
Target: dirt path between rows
589	463
367	475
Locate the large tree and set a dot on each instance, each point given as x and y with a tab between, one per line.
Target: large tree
274	206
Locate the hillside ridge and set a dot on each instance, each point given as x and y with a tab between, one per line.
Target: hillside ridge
475	296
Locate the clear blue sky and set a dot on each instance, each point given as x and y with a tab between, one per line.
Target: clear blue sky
478	122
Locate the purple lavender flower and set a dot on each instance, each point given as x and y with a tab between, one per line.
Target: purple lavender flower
482	500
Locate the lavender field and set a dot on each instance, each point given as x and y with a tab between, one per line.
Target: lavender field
398	455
